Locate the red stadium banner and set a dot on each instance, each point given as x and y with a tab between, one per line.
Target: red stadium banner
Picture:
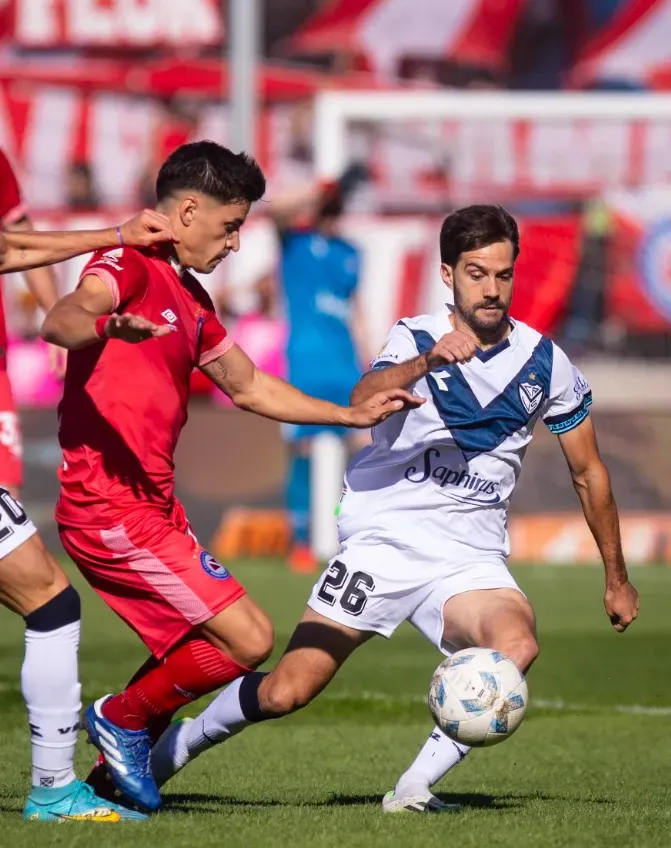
633	47
380	33
46	127
639	273
546	270
116	23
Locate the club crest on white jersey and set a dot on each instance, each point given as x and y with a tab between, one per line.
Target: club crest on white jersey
531	396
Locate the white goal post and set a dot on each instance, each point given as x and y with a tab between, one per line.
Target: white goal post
496	145
334	110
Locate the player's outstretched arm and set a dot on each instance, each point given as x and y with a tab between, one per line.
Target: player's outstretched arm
254	390
451	348
85	317
592	483
25	250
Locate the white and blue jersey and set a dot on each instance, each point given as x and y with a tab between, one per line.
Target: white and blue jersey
439	479
319	280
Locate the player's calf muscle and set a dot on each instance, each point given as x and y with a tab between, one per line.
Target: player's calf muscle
316	651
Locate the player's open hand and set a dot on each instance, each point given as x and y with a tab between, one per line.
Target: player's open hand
621	603
135	328
452	347
380	406
147	228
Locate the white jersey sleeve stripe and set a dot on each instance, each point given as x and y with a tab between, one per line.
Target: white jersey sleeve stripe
570	396
568	421
399	347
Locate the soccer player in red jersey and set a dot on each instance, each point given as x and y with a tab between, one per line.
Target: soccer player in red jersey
42	284
135	328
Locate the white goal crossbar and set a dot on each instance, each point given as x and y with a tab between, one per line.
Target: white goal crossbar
334	110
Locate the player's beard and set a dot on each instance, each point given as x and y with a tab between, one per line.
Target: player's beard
487	324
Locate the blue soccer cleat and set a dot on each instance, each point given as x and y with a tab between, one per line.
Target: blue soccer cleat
126	753
75	802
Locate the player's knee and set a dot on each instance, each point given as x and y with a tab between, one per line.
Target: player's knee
283	695
50	580
523	650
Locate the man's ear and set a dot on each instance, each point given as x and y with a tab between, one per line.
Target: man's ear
447	274
187	210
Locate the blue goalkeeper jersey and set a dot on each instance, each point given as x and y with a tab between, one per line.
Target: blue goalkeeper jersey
319	279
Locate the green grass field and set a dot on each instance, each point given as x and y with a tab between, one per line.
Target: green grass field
589	767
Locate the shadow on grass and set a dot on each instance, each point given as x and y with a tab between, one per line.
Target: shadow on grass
190	802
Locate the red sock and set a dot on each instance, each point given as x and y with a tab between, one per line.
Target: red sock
191	670
148	665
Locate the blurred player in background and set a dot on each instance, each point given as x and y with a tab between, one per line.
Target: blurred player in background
136	327
327	340
423	518
42	284
34	586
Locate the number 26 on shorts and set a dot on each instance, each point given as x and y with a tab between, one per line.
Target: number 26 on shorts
354	597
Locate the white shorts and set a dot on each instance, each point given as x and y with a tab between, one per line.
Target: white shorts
375	587
15	526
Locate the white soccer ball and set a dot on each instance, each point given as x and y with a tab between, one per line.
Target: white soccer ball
478	697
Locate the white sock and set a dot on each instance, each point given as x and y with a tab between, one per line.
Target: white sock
51	690
438	755
219	721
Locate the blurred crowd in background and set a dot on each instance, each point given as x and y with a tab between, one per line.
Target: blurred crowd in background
94	94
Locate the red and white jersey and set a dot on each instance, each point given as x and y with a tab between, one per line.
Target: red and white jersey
12	210
124	405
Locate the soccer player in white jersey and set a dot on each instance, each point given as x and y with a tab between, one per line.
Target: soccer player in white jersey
33	585
423	517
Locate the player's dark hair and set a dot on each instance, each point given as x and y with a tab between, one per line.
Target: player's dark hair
211	169
474	227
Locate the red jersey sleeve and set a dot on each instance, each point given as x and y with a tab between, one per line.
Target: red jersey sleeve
12	208
124	273
214	340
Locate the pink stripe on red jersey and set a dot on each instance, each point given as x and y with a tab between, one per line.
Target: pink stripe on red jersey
107	278
16	214
215	352
168	584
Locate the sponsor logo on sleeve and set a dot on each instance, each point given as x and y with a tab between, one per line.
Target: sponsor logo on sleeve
212	567
580	386
109	261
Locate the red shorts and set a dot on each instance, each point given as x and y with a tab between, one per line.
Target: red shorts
155	576
11	471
